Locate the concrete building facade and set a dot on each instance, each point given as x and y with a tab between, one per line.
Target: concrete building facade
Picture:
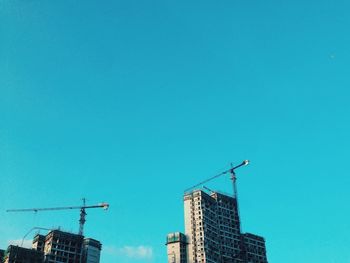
63	247
176	247
55	247
38	242
212	227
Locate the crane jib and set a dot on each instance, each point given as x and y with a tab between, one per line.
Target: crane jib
82	211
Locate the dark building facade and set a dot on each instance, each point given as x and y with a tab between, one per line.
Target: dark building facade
16	254
2	254
91	250
255	248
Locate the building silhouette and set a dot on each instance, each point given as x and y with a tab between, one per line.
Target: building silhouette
2	254
16	254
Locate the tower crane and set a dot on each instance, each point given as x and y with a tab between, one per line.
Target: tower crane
233	177
82	208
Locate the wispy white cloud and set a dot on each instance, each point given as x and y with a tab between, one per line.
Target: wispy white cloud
17	242
133	252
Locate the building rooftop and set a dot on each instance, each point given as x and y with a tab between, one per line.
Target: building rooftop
92	242
175	237
253	236
63	234
206	193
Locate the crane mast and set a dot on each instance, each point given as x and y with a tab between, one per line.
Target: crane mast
82	209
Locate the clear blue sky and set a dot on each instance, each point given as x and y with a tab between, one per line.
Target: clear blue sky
130	102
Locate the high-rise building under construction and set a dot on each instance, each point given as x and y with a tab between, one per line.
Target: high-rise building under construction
213	228
213	233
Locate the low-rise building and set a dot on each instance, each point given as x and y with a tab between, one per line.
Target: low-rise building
176	247
255	248
16	254
91	250
55	247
